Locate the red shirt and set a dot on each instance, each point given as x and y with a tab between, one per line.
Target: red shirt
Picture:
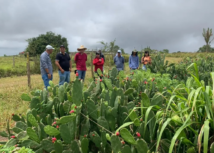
80	60
98	64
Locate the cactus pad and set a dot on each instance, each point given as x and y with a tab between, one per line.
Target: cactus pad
51	130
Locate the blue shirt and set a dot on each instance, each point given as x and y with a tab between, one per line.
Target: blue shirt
133	62
45	63
119	62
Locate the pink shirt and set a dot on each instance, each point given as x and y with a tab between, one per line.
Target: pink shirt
80	60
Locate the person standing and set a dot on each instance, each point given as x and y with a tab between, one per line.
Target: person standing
98	62
146	59
119	61
80	60
63	62
102	56
134	60
46	65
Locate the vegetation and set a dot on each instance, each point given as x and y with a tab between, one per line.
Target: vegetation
111	47
207	34
37	45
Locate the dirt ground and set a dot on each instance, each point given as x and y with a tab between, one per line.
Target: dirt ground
2	139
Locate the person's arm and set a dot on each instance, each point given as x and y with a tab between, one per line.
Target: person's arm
100	62
57	63
142	60
114	60
138	62
95	61
45	65
123	61
70	63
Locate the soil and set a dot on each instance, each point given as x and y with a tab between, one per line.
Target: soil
3	139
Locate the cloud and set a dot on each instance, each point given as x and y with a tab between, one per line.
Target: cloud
162	24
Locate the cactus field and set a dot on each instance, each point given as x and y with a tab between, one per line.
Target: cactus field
166	109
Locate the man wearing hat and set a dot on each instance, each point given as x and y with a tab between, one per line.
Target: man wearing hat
119	61
46	66
80	60
134	60
63	62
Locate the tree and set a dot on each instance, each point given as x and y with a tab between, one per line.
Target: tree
111	47
165	51
37	45
204	49
207	34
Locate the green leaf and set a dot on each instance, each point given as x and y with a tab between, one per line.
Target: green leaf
25	97
126	135
124	125
51	130
206	135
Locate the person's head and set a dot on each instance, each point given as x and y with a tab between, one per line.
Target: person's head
119	53
134	53
97	54
49	49
81	49
146	53
62	49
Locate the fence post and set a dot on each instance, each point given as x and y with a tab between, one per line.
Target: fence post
92	72
13	61
28	70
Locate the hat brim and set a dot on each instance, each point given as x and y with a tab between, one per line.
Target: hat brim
81	49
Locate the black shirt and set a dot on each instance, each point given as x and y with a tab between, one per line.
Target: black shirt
64	61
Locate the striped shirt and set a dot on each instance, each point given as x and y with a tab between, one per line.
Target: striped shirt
45	63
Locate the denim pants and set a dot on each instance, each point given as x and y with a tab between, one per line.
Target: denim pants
81	74
46	80
64	77
144	67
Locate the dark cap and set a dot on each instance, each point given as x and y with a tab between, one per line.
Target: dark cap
62	46
97	53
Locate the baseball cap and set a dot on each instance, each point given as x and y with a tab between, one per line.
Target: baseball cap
49	47
119	51
62	46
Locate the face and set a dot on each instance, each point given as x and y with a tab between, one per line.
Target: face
147	54
97	55
134	53
118	54
81	50
62	49
49	51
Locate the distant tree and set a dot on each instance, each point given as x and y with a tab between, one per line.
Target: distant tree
205	48
37	45
207	34
111	47
165	51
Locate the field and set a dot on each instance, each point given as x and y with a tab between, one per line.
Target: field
167	109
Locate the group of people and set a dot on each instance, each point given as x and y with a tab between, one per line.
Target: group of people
64	64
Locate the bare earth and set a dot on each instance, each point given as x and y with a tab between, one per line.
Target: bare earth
2	139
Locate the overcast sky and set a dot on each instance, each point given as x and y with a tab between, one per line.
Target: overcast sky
176	25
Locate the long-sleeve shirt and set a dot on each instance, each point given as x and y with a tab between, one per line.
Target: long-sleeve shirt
98	64
45	63
119	62
133	62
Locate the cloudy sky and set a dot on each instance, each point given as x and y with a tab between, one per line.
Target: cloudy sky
176	25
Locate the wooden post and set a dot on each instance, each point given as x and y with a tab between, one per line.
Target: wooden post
13	61
28	70
92	72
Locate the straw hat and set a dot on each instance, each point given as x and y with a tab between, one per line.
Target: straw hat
81	48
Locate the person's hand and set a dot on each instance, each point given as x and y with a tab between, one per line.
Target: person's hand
62	71
49	76
100	60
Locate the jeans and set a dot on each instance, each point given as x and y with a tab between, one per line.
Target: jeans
144	67
64	77
81	74
46	80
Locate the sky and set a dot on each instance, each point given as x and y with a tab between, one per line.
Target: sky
176	25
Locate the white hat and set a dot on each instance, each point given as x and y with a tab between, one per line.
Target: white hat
119	51
49	47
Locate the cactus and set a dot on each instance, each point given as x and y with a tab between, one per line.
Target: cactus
61	92
16	118
31	119
77	91
41	132
84	145
113	97
51	130
108	83
75	147
103	122
22	136
3	134
126	135
96	139
141	146
17	130
32	134
34	103
11	143
58	147
85	126
115	143
30	144
65	133
92	109
47	145
126	149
